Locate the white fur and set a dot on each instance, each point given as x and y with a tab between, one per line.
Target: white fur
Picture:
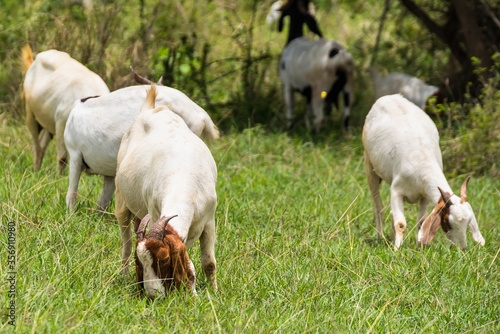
152	283
53	83
414	89
164	169
306	63
95	128
402	148
274	14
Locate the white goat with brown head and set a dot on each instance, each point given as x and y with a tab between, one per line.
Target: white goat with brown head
52	84
165	170
402	148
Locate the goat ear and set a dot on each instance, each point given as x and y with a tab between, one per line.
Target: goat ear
140	229
463	191
181	267
431	224
446	197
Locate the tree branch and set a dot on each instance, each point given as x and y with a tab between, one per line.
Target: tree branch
450	38
490	13
387	6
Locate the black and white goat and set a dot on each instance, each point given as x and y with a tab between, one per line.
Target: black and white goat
318	69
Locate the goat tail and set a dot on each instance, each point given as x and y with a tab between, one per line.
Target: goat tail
149	102
210	131
26	58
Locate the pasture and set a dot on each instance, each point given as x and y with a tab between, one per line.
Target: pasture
296	250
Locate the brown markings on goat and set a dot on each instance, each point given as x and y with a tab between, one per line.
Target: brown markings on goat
438	218
25	61
463	191
26	58
88	97
170	261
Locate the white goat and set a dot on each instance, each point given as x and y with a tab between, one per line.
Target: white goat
402	148
414	89
53	82
318	69
96	126
165	170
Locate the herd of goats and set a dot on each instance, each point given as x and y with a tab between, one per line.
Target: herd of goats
149	144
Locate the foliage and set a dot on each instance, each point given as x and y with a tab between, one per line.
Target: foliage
220	53
475	145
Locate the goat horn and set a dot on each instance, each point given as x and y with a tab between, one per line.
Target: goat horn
159	81
463	191
157	231
446	197
142	227
140	79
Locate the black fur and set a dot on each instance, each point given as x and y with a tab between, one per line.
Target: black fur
333	52
297	10
306	92
337	87
89	97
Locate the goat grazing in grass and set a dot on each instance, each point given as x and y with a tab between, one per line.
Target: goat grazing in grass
96	126
167	174
52	84
414	89
402	148
318	69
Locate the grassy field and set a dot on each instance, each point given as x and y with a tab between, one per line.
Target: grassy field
296	250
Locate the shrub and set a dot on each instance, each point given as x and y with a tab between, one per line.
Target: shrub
474	146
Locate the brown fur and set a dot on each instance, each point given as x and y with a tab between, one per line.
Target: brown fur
463	191
149	102
438	218
26	58
170	261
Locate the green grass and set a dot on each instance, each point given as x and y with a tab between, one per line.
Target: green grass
296	250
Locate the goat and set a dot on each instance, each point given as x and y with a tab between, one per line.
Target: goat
53	82
96	126
318	69
414	89
401	146
164	170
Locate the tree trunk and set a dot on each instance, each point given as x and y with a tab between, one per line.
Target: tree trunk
448	33
472	32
